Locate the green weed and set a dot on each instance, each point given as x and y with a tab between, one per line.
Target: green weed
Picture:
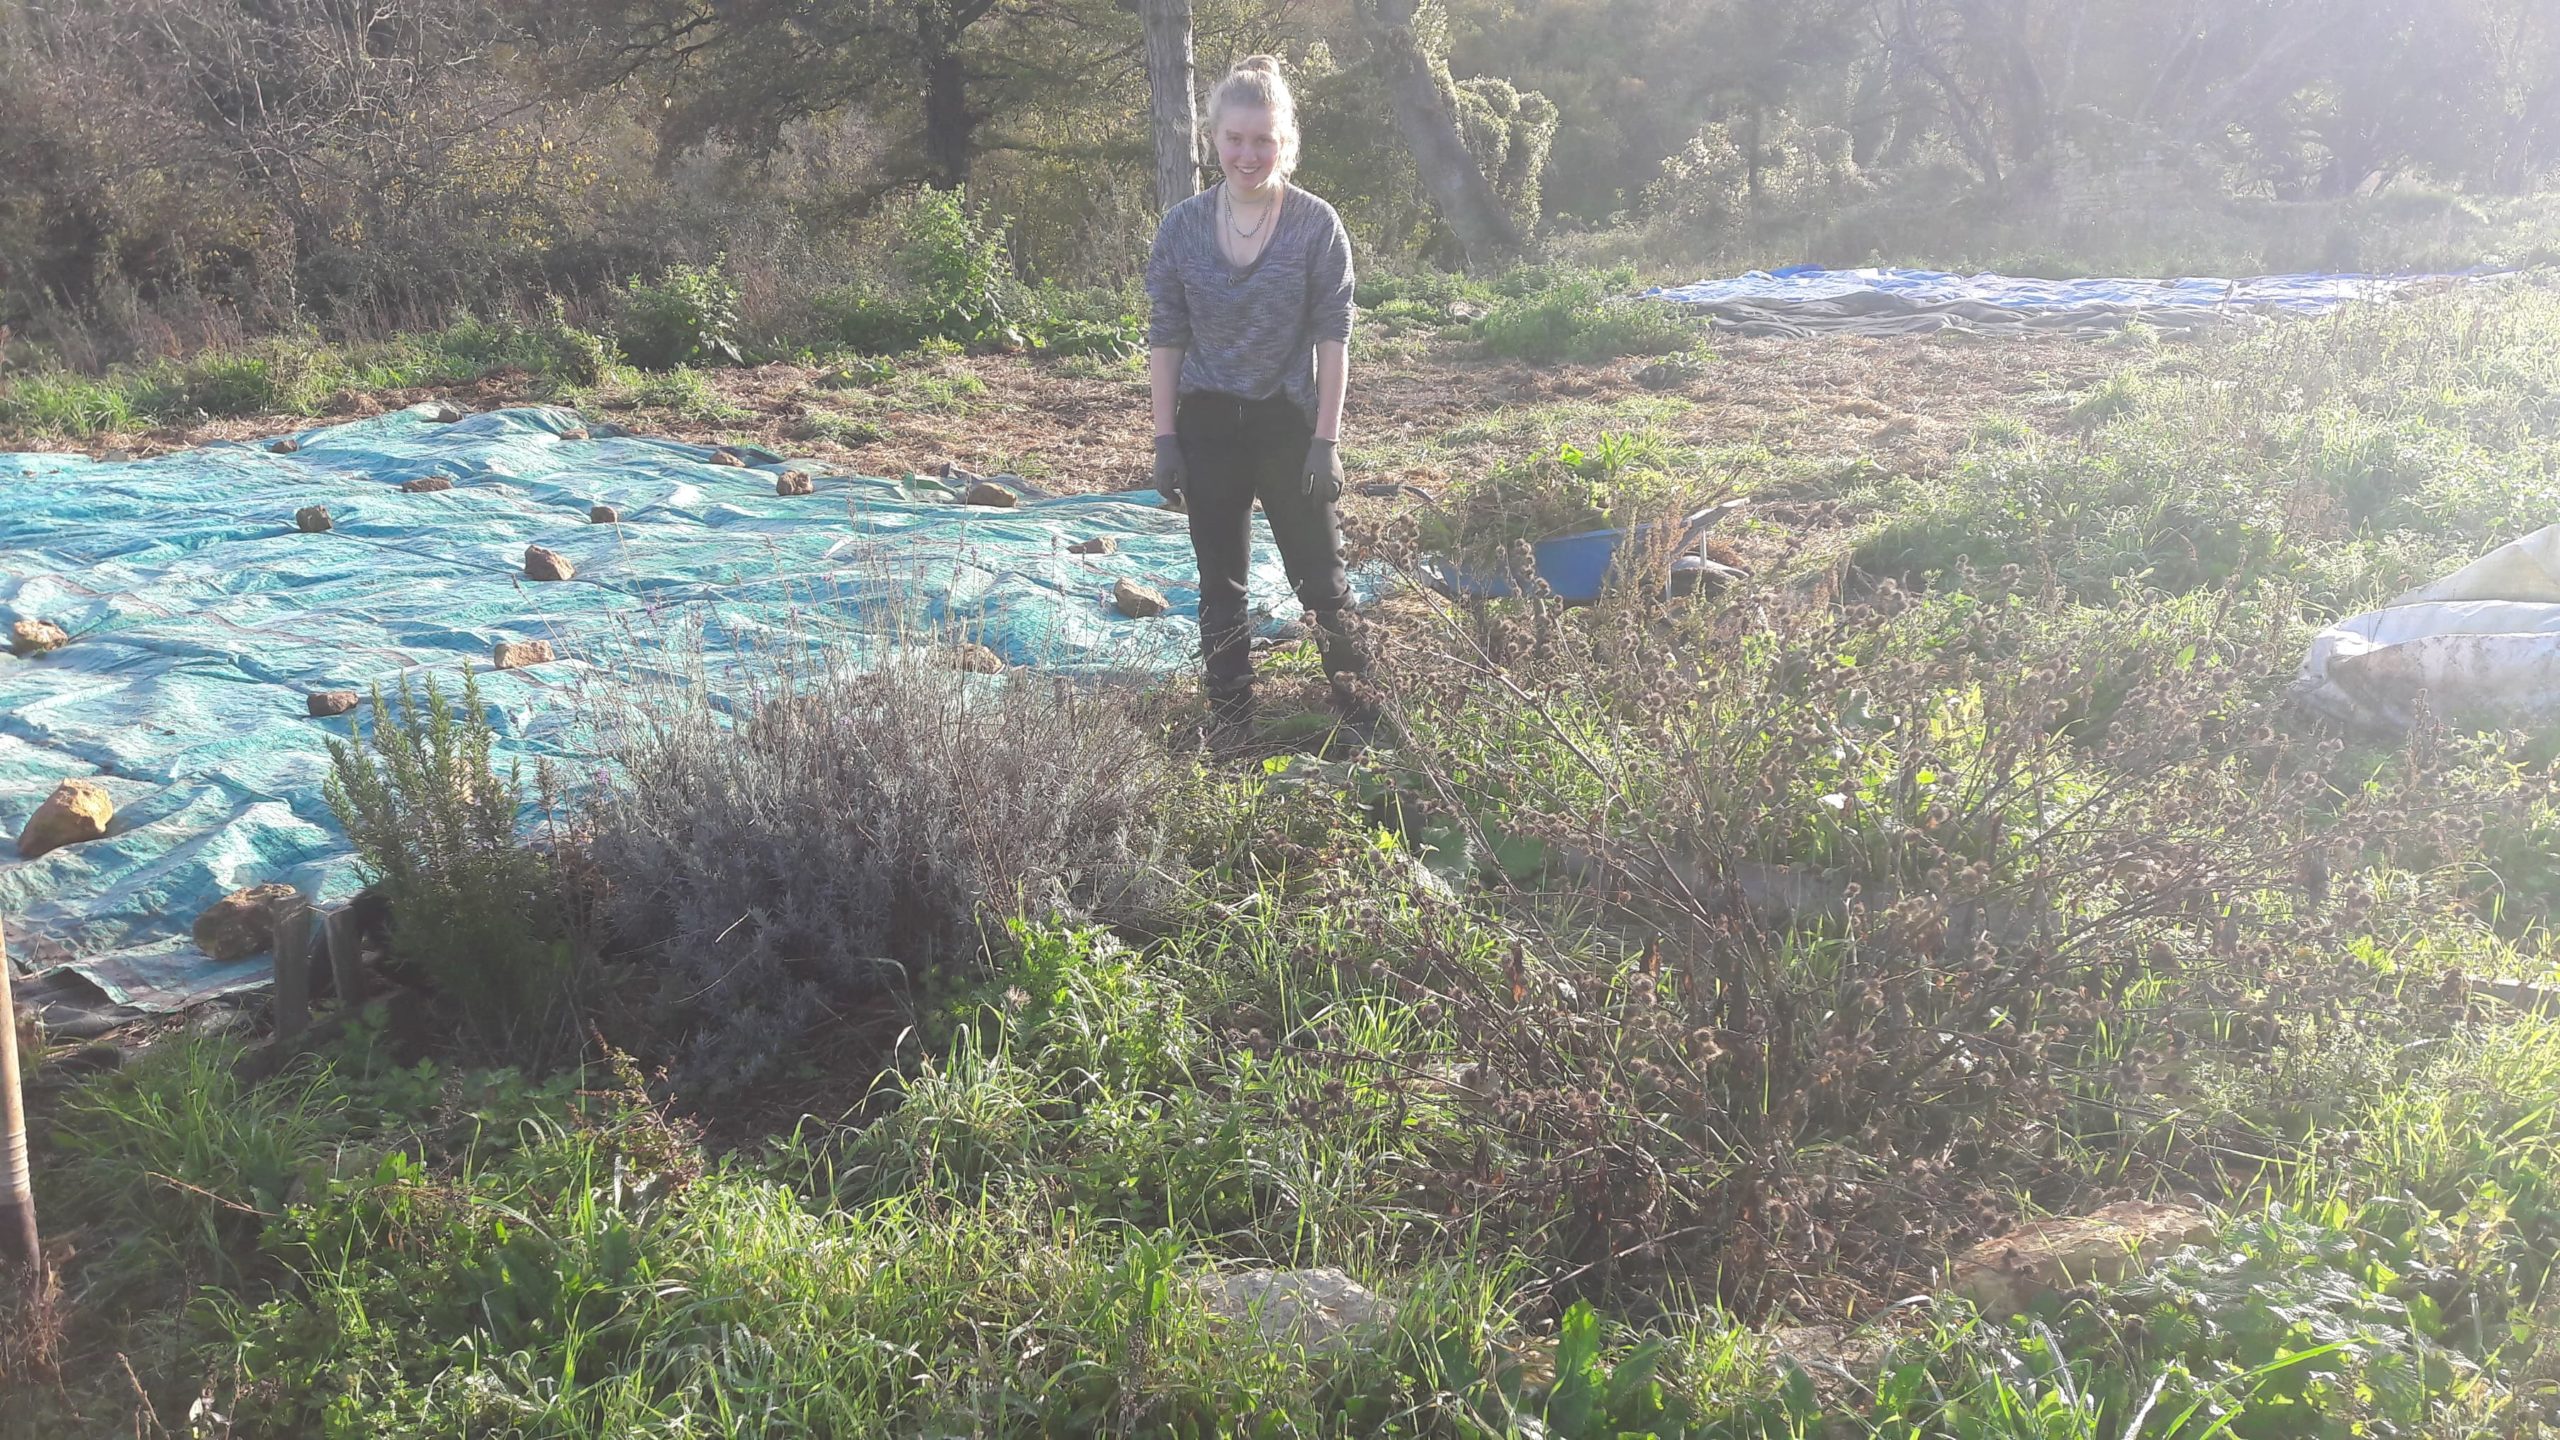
2353	456
434	825
1620	479
74	406
688	316
1583	319
819	422
683	391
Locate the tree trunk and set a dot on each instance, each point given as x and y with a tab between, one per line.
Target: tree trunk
950	129
1458	189
1973	134
1169	97
1997	33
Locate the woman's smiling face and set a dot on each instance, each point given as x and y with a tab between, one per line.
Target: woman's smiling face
1248	148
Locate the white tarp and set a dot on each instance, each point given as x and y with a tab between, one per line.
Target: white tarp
1808	299
2482	645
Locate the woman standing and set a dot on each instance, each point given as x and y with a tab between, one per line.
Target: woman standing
1249	355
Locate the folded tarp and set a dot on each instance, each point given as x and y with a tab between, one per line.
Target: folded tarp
202	618
1807	299
2482	646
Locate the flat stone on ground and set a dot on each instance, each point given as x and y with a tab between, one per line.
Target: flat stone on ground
1304	1307
541	563
728	457
603	515
425	485
517	654
794	482
1098	545
991	495
312	519
324	703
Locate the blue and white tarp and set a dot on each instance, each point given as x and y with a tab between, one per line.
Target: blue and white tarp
202	618
1805	299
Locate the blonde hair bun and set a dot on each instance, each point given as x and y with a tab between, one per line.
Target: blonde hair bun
1256	81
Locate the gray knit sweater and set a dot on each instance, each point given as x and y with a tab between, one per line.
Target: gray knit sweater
1251	332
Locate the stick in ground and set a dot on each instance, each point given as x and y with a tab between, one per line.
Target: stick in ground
17	1192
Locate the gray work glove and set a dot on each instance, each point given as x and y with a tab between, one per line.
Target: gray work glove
1324	472
1171	473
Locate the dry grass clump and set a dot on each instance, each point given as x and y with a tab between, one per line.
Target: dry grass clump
1837	927
814	836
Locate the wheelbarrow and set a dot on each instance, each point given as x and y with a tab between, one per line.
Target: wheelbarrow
1579	567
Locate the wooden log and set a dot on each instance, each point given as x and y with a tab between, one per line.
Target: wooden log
344	963
293	968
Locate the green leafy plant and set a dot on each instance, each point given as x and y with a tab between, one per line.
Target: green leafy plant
867	318
2294	1326
1621	478
948	277
1427	291
952	254
577	355
433	824
550	346
688	316
818	422
686	391
1115	339
59	403
1583	318
274	377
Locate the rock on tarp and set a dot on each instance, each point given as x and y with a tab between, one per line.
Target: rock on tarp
202	622
1807	299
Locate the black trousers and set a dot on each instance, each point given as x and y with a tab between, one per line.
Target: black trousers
1238	451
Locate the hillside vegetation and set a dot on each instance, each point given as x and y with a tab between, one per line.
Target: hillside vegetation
1618	1019
1672	974
194	174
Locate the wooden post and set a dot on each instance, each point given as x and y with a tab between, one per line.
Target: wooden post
343	960
293	968
17	1190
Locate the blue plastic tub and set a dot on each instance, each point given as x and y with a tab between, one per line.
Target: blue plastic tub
1576	567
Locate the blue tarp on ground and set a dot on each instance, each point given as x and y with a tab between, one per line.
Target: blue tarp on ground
202	618
1809	297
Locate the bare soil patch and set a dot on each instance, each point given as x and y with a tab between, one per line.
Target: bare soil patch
1798	423
1909	404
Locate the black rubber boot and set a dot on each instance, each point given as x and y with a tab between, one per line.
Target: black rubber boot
1341	641
1231	712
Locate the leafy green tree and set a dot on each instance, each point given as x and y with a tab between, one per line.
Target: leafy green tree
743	70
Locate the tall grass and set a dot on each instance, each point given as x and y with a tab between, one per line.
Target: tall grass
2352	456
290	376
